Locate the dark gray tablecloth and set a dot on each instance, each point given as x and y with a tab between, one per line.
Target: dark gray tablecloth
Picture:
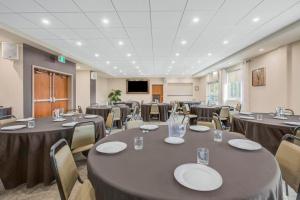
190	103
205	113
24	154
128	103
163	111
148	173
268	132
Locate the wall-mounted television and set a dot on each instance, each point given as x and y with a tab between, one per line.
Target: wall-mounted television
137	86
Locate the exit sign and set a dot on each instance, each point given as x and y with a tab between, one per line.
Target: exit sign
61	59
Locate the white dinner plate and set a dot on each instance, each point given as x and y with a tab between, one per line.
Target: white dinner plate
292	123
246	117
174	140
111	147
69	124
90	116
244	144
246	113
281	118
25	119
59	120
199	128
68	114
149	127
198	177
12	128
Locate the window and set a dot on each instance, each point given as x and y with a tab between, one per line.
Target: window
213	92
234	85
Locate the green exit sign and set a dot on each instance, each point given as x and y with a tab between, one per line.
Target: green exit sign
61	59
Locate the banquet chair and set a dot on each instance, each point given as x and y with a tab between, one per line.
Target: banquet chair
289	111
154	110
66	173
134	123
186	113
7	119
217	122
109	123
288	157
238	107
225	116
204	123
297	134
134	112
117	114
84	137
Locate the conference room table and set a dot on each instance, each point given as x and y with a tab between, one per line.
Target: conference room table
105	110
149	173
204	112
268	131
25	153
163	111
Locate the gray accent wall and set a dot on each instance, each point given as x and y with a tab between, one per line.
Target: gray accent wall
33	56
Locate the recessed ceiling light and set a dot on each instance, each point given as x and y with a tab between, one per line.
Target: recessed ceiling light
256	19
225	42
120	71
196	19
78	43
128	55
183	42
96	55
108	62
177	54
133	62
173	62
209	54
261	49
120	43
115	67
199	61
45	21
137	67
105	21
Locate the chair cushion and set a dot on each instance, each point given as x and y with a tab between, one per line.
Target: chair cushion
82	148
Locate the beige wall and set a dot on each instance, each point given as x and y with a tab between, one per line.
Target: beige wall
83	88
11	77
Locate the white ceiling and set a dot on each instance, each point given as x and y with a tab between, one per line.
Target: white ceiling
151	30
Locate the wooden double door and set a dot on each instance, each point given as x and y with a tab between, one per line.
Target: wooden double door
158	90
51	91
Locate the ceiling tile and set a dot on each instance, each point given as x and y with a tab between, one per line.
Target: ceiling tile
94	5
131	5
23	5
40	34
165	19
74	20
59	5
168	5
114	33
97	18
16	21
65	34
4	9
135	19
88	34
36	18
204	4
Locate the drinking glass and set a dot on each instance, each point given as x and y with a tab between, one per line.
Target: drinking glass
138	143
181	129
74	118
259	117
202	156
218	136
31	124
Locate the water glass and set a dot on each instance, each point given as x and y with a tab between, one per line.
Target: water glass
218	136
74	118
31	124
259	117
138	143
202	156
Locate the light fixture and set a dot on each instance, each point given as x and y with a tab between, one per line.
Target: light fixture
96	55
133	62
261	49
105	21
120	43
108	62
78	43
177	54
45	21
209	54
225	42
256	19
128	55
173	62
196	19
115	67
183	42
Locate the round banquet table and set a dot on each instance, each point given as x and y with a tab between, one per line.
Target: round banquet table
148	173
104	110
190	103
205	113
25	153
268	132
163	111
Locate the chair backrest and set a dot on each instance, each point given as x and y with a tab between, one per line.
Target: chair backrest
224	113
187	107
109	120
154	108
84	134
217	122
288	157
297	134
135	110
117	113
79	109
288	111
238	107
64	168
134	124
7	121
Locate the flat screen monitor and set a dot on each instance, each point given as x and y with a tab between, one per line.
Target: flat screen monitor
137	86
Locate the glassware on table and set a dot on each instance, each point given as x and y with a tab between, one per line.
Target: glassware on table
138	143
218	136
61	112
31	124
175	127
202	156
259	117
74	118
